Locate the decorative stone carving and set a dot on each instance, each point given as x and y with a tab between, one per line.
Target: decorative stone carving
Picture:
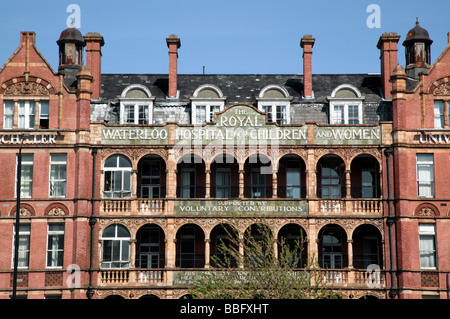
24	212
443	89
426	212
56	211
26	88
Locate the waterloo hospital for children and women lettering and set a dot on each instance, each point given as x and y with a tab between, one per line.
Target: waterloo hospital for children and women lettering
239	125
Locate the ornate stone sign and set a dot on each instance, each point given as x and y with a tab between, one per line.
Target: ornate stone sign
239	206
241	125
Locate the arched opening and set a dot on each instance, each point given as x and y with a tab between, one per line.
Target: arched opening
365	177
223	168
116	247
191	177
291	177
151	177
258	246
224	246
190	250
117	177
150	247
330	177
333	247
258	177
367	247
293	237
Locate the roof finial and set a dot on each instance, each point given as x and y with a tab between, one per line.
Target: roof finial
417	20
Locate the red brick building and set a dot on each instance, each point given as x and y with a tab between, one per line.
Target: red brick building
126	187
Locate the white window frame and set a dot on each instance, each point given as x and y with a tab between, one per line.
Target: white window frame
345	102
24	234
57	250
135	105
427	232
272	113
421	183
29	111
8	115
209	115
60	180
25	162
124	193
124	245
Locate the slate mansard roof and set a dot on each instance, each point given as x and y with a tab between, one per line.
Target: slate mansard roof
245	88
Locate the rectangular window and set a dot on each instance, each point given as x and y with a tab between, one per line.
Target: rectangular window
200	114
24	246
281	114
55	245
8	115
293	179
58	175
338	114
425	175
223	179
212	110
26	176
44	114
427	246
268	110
26	114
438	114
143	114
128	114
353	114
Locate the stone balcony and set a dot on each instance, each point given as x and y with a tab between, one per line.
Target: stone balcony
139	278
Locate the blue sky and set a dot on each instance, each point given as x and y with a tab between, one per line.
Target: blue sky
227	36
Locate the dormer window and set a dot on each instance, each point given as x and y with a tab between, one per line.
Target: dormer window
136	105
345	105
275	101
206	101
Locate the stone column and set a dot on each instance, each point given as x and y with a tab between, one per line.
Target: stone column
241	182
134	183
350	253
274	184
348	184
132	253
208	181
207	252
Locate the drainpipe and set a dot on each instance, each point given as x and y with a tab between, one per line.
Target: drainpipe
92	222
390	222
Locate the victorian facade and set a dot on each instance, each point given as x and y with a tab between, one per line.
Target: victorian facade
133	179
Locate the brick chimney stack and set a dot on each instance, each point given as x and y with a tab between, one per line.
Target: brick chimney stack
94	42
307	43
173	43
387	44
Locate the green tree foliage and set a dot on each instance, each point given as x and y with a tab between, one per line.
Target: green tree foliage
249	268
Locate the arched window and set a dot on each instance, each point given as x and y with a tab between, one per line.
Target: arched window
116	247
117	169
